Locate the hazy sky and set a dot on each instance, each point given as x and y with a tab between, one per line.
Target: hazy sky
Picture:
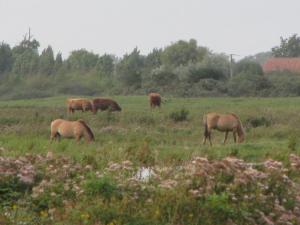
242	27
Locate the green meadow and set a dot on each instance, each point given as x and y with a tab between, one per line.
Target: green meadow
98	183
271	125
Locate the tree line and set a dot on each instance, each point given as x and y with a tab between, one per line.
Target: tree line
183	68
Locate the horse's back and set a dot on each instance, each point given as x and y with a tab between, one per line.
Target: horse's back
106	103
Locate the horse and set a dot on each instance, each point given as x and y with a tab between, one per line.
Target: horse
71	129
224	123
154	100
79	104
105	104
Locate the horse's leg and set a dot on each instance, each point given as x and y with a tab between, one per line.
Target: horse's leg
204	140
225	139
209	138
234	136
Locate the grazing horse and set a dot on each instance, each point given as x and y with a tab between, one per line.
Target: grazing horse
71	129
154	99
224	123
105	104
79	104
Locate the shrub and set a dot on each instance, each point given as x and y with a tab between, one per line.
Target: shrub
259	121
178	116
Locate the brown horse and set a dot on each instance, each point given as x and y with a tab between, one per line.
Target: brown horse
154	99
105	104
79	104
71	129
224	123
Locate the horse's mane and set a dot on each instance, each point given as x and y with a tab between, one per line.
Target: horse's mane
87	129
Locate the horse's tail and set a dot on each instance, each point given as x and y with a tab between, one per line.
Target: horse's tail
88	129
206	133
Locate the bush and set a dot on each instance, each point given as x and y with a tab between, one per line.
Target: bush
178	116
259	122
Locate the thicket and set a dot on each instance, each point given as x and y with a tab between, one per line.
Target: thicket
181	69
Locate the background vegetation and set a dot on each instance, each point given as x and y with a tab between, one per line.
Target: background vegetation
182	69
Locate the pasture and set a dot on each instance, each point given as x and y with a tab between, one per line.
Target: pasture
271	125
145	137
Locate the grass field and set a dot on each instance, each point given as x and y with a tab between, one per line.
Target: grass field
148	138
25	126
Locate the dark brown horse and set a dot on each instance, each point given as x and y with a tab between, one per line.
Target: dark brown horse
105	104
79	104
224	123
71	129
154	100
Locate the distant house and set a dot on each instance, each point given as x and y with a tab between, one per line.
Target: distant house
281	64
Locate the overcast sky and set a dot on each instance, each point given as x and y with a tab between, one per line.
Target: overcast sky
243	27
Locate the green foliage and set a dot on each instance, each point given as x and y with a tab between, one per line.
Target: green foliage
105	65
6	58
46	61
289	47
259	121
82	60
11	189
26	63
180	115
248	66
245	84
183	53
104	186
129	69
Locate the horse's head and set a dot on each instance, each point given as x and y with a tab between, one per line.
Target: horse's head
241	134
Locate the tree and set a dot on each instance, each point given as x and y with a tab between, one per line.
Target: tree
46	62
248	66
26	63
58	62
129	69
105	65
82	60
6	59
26	57
182	53
289	47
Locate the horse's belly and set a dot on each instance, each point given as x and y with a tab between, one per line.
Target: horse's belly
66	132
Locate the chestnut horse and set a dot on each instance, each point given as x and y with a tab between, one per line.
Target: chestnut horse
225	123
154	99
79	104
71	129
105	104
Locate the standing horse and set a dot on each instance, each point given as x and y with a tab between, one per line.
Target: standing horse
154	100
71	129
105	104
224	123
79	104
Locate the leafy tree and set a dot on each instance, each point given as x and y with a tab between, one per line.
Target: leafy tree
82	60
130	68
26	63
46	62
153	59
105	65
197	73
248	66
182	53
6	59
58	62
289	47
163	77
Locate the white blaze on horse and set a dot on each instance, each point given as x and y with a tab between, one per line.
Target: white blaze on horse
224	123
71	129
